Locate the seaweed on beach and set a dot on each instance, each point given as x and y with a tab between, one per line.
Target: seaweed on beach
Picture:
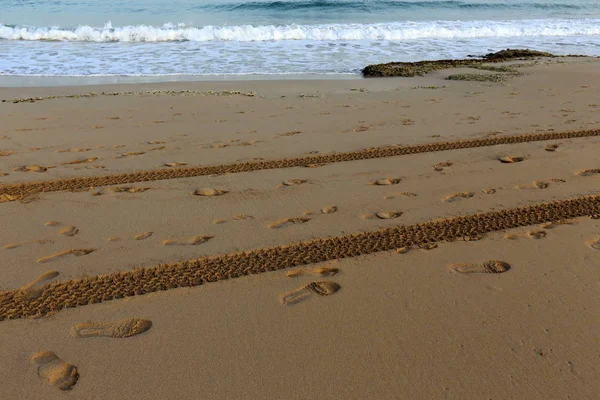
420	68
478	77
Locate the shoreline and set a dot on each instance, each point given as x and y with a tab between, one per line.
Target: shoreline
16	81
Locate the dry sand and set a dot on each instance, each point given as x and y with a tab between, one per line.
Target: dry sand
385	325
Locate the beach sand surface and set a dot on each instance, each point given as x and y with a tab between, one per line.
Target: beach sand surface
389	325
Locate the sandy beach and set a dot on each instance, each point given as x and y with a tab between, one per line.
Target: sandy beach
382	238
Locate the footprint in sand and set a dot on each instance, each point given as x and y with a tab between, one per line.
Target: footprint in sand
73	150
388	214
382	215
288	221
75	252
31	168
594	244
537	234
119	329
194	240
386	181
131	153
242	217
456	196
329	210
65	230
16	245
534	185
488	267
55	371
441	165
292	182
510	159
143	235
554	224
81	161
551	147
322	288
322	271
588	172
489	191
126	189
403	194
208	192
34	289
174	164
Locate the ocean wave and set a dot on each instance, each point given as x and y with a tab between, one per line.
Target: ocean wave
331	32
370	6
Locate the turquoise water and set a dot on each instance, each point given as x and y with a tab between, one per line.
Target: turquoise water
224	37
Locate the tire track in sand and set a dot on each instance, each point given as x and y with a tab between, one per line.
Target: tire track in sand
78	292
21	190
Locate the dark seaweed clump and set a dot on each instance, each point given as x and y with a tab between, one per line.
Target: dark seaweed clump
420	68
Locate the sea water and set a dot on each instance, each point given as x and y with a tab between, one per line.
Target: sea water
167	38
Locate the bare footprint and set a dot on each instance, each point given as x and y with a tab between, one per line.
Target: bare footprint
31	168
65	230
34	289
594	244
208	192
322	271
441	165
75	252
386	181
288	221
55	371
187	242
329	210
588	172
119	329
511	159
489	267
143	235
551	147
321	288
456	196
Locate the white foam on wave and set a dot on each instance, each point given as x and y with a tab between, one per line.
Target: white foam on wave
332	32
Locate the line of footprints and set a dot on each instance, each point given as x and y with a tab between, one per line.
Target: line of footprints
63	375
